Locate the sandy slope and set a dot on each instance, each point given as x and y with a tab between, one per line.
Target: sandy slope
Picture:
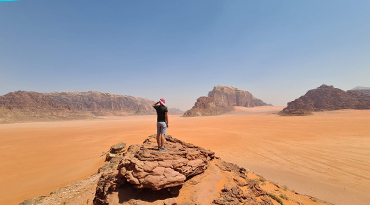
326	155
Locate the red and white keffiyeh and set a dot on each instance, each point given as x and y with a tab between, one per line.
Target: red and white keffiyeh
162	102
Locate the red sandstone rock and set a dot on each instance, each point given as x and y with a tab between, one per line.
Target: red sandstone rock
104	103
146	167
221	100
32	106
186	174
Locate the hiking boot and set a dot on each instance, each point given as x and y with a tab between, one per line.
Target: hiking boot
164	149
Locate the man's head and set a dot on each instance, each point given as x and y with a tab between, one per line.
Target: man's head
162	102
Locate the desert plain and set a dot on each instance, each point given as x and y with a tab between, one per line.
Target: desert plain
325	155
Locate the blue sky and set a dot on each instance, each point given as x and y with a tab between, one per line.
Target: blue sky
179	50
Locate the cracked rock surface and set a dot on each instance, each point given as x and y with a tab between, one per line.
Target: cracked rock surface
144	166
186	174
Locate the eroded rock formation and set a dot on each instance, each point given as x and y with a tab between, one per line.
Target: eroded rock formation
23	106
104	103
28	106
221	100
327	98
186	174
30	101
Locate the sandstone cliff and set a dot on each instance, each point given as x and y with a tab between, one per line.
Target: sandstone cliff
21	106
28	106
327	98
221	100
104	103
186	174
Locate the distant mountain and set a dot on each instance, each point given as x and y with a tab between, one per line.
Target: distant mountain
221	100
327	98
21	106
175	111
361	89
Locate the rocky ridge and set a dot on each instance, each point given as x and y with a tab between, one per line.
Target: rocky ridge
21	106
104	103
186	174
221	100
326	98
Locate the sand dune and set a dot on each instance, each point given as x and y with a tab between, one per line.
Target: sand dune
325	155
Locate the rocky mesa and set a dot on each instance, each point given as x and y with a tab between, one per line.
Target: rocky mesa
221	100
186	175
22	106
327	98
104	103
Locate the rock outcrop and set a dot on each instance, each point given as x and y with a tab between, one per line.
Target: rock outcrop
146	175
327	98
221	100
113	157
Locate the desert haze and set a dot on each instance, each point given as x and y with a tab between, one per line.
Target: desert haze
325	155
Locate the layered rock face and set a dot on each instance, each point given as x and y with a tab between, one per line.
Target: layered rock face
221	100
32	106
104	103
28	106
186	174
30	101
327	98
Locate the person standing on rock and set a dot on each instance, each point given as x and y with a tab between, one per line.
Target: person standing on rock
162	122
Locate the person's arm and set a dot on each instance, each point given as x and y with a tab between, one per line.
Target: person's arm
155	104
166	118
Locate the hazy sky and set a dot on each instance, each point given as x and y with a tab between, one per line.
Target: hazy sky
179	50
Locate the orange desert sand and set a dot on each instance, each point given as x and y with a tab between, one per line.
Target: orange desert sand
325	155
